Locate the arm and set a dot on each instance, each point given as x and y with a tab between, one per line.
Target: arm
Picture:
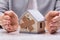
3	6
53	18
9	20
57	7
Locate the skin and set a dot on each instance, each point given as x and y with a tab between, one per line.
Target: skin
52	21
10	21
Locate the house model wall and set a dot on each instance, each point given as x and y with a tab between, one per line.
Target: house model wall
32	21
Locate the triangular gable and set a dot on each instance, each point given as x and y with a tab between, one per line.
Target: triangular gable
37	15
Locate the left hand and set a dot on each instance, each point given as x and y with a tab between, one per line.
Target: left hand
52	21
10	21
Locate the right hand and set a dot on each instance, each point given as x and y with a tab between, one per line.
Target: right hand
10	21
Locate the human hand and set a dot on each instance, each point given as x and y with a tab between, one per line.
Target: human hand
10	21
51	21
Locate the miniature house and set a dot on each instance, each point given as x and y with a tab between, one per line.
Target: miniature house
32	21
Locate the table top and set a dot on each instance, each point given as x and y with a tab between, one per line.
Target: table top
25	36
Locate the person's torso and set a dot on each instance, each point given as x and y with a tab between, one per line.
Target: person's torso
44	6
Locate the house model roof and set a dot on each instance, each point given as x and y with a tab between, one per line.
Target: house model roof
33	10
37	15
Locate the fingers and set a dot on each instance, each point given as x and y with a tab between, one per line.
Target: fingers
8	28
56	19
11	14
5	27
6	17
53	27
8	12
51	21
56	24
11	23
5	20
51	14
